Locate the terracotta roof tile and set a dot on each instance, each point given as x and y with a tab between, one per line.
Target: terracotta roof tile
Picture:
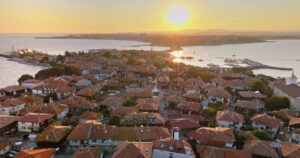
216	152
267	120
220	93
90	116
38	153
213	136
133	150
35	117
290	150
252	104
53	134
6	120
294	121
229	116
177	146
11	89
88	152
262	148
183	123
12	103
252	95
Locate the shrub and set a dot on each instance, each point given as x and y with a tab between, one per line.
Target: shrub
277	103
128	102
210	111
172	104
115	120
58	71
259	85
261	134
24	78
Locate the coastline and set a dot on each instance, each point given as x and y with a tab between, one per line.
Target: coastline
22	61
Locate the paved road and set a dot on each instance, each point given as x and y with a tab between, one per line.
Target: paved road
162	104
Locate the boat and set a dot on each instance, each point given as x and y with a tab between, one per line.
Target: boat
200	60
298	60
189	57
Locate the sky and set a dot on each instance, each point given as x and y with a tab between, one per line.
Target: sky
104	16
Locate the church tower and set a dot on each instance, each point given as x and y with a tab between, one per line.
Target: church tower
292	79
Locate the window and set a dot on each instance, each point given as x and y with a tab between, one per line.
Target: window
94	140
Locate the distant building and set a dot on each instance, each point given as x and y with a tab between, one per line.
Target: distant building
266	122
291	90
34	122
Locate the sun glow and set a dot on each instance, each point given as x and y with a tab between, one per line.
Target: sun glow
177	54
177	15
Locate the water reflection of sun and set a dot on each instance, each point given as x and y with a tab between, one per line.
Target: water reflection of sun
177	60
177	56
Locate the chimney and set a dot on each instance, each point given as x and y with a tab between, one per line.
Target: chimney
176	133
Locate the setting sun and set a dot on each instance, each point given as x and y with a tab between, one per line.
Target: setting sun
177	15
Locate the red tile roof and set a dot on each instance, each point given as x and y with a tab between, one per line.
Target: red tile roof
229	116
11	89
38	153
290	150
35	117
177	146
267	120
216	152
6	120
252	94
213	136
294	121
88	152
53	134
220	93
148	104
133	150
183	123
122	110
12	103
291	90
90	116
194	117
254	104
73	100
262	148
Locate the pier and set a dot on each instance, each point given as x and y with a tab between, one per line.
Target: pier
256	65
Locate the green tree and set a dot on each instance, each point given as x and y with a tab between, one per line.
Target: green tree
277	103
239	140
210	111
228	88
58	71
261	134
115	120
243	70
69	123
259	85
107	54
128	102
24	78
211	124
172	104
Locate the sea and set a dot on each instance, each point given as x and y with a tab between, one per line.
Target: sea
282	53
